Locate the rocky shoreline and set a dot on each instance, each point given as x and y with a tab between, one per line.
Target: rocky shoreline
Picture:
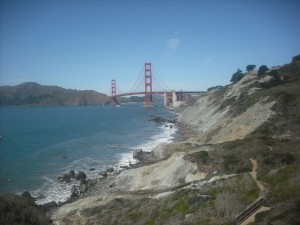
104	184
206	176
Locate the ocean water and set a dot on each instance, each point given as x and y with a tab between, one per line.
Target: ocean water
41	144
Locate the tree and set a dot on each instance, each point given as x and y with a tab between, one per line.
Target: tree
237	76
262	70
250	67
296	58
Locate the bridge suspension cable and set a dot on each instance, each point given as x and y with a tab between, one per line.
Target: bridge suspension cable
161	80
137	82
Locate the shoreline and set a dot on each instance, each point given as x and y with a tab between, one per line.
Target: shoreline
105	184
92	185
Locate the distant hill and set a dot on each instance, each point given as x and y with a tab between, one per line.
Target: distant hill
34	94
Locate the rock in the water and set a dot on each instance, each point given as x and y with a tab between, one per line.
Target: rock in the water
26	194
81	176
103	173
141	155
92	169
67	177
110	170
158	119
174	121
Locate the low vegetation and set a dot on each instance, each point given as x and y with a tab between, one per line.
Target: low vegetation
16	210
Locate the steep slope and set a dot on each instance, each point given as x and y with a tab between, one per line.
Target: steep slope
31	94
211	178
230	113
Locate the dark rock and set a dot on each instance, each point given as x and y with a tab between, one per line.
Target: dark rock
64	157
80	176
141	155
27	195
72	174
83	181
103	173
48	206
66	178
110	170
92	169
174	121
158	119
112	185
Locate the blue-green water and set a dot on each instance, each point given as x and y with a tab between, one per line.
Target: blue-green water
41	144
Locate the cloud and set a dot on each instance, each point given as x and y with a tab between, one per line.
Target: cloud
173	43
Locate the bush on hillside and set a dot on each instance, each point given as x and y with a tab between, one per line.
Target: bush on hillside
296	58
20	210
250	67
237	76
262	70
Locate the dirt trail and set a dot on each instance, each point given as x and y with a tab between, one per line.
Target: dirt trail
261	195
254	176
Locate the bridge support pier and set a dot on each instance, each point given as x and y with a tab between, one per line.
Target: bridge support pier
168	99
113	98
148	85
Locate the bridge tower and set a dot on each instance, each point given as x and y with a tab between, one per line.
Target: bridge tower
148	85
113	98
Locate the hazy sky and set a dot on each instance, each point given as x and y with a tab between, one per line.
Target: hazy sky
192	44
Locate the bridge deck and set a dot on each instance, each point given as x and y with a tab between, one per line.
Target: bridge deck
160	93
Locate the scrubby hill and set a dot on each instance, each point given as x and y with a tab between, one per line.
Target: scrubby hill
33	94
245	147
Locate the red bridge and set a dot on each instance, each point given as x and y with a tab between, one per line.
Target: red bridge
171	98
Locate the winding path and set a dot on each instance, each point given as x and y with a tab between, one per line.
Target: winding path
261	195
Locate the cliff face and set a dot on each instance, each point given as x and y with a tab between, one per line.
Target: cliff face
231	113
246	147
33	94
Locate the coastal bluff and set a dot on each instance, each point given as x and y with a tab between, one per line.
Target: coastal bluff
207	179
243	147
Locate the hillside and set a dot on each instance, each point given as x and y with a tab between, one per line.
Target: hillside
34	94
245	148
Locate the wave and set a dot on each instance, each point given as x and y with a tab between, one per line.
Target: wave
166	136
54	190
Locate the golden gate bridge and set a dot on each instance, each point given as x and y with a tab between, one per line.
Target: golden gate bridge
171	98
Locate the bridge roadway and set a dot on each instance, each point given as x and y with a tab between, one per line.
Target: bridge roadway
160	93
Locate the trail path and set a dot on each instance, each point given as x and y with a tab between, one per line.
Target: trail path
262	193
254	176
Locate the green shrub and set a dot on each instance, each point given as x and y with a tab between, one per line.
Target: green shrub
134	216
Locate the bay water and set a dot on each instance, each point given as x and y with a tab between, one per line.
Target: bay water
40	144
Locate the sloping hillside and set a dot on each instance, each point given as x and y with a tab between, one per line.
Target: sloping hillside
246	148
33	94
